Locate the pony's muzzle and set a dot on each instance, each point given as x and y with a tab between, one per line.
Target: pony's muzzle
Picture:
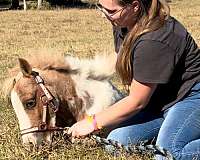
37	139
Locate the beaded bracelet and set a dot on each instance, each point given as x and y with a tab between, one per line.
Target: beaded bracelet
92	119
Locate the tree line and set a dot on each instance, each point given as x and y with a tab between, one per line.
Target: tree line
15	4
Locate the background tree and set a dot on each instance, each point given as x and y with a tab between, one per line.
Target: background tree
14	4
64	2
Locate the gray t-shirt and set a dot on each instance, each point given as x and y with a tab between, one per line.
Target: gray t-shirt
168	57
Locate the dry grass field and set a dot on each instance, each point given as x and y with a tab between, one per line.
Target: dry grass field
81	32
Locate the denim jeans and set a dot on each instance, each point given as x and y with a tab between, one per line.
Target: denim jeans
177	129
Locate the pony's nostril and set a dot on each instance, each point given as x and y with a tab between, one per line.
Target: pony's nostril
30	143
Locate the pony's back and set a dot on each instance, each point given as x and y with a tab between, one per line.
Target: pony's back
100	67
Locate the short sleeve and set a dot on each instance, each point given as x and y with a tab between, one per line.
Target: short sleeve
153	62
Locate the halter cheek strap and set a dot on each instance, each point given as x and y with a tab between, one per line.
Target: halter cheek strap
48	100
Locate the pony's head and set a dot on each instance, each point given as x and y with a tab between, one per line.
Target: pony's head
28	100
37	96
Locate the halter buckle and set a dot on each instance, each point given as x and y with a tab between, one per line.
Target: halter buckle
42	126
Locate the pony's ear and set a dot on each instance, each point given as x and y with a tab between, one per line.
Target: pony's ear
25	67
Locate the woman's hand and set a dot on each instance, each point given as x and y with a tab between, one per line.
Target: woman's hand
81	129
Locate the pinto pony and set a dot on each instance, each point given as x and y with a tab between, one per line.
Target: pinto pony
50	93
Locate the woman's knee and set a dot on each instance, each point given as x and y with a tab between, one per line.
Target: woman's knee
133	134
179	134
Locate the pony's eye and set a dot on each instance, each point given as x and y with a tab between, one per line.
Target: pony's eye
30	104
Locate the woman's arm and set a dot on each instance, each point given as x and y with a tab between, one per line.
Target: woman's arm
139	96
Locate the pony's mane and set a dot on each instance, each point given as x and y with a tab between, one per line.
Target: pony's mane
98	68
46	61
42	62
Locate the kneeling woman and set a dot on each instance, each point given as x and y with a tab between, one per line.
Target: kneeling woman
160	62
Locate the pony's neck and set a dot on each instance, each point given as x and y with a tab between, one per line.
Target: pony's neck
71	106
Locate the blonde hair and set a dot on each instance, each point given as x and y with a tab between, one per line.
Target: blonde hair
149	19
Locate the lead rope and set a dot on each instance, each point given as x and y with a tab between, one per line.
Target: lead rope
141	147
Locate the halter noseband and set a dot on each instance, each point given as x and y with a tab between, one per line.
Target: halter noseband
48	100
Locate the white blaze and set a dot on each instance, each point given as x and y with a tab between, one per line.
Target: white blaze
24	121
22	116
